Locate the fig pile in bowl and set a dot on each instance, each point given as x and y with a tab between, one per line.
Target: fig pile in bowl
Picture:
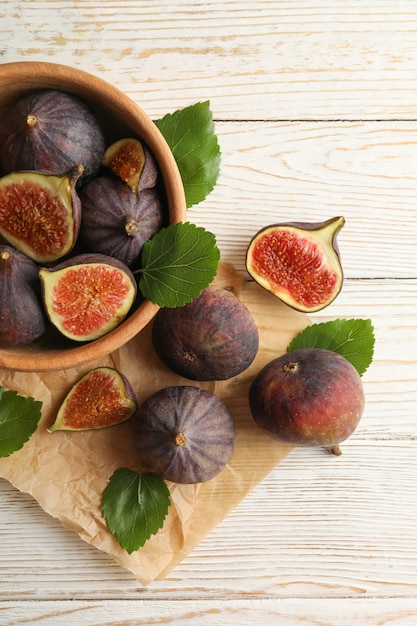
86	179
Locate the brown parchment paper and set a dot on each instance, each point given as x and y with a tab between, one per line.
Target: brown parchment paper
66	472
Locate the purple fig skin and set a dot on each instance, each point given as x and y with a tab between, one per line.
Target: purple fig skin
50	130
116	221
184	433
22	317
214	337
308	397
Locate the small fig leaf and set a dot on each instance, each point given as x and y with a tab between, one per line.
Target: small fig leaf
177	264
352	338
190	134
135	506
19	418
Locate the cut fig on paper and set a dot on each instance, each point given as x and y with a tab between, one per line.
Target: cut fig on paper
40	213
298	262
88	295
101	398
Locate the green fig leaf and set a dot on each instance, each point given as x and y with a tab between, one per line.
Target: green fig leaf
135	506
352	338
177	264
19	418
190	134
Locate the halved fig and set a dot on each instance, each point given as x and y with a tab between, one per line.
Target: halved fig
132	162
22	316
50	130
184	433
40	213
101	398
298	262
87	296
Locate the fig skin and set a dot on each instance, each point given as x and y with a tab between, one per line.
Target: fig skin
214	337
116	221
79	317
184	433
298	262
22	316
51	130
308	397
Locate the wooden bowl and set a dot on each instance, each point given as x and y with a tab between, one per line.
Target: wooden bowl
119	117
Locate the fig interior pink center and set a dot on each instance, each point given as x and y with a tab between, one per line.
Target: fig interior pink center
294	264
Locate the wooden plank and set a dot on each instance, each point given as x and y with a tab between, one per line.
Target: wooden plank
345	612
286	60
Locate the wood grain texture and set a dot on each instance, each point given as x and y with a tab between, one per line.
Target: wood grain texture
284	60
315	109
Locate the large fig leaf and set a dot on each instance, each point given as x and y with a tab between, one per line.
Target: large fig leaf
177	264
19	418
190	134
135	506
352	338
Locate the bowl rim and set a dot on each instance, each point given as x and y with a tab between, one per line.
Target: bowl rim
25	76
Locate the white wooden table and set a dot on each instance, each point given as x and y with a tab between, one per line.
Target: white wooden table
315	105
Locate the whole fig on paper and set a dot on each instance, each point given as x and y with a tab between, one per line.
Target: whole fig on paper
22	316
298	262
87	295
308	397
214	337
40	213
103	397
117	222
184	433
50	130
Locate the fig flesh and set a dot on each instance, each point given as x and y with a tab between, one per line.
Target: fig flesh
184	433
133	163
214	337
50	130
101	398
117	222
298	262
87	296
308	397
22	316
40	213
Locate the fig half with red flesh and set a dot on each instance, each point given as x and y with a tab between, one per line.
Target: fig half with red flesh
298	262
101	398
133	163
40	213
87	296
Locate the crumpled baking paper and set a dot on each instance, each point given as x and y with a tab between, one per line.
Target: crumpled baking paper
66	472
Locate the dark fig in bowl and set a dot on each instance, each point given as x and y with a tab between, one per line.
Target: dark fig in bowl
22	316
308	397
50	130
132	161
87	296
40	213
103	397
298	262
184	433
214	337
117	222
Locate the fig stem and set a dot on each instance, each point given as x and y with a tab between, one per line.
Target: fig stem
180	439
334	450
